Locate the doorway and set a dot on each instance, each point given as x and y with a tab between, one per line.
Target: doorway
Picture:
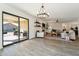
14	28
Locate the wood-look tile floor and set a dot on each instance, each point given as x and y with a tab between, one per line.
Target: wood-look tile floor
42	47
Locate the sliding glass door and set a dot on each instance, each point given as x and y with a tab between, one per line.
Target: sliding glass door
23	28
10	29
14	28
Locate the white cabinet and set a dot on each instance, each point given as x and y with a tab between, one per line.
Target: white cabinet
40	34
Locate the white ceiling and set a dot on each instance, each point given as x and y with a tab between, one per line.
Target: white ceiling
64	11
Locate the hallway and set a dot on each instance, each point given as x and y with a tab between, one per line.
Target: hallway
42	47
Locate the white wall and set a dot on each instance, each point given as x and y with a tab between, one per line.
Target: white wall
68	25
55	25
7	8
72	24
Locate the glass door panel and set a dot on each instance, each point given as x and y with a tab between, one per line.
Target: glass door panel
10	29
23	29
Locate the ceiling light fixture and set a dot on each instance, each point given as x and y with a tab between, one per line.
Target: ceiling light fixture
42	12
